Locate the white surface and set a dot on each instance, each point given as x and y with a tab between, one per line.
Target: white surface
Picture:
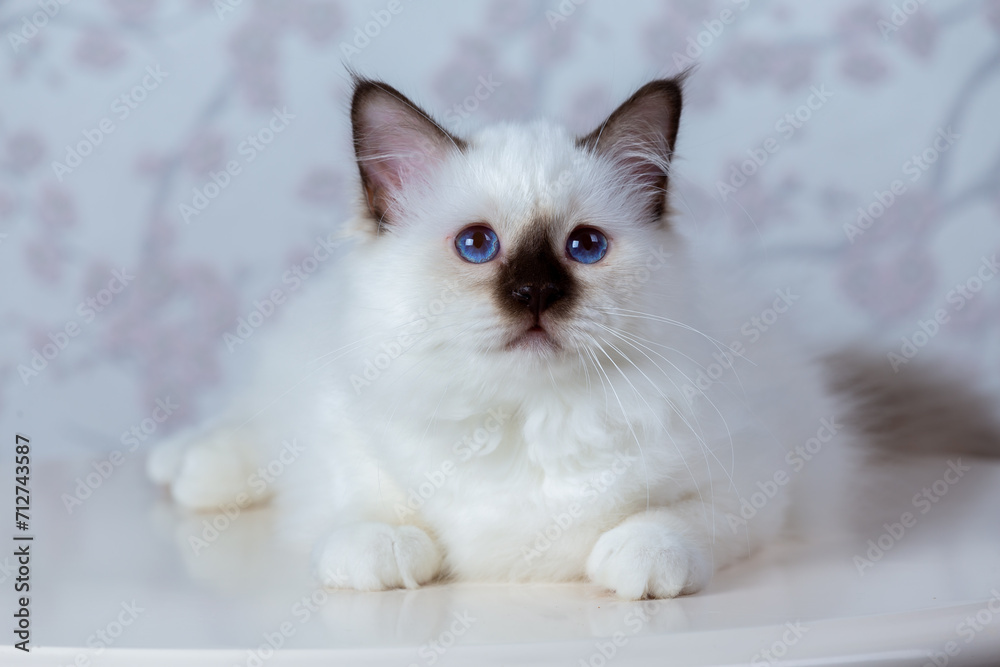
126	543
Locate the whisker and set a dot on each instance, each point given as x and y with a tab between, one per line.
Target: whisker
725	350
719	345
731	471
642	455
665	429
626	337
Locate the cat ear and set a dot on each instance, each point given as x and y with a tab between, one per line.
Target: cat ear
639	137
396	144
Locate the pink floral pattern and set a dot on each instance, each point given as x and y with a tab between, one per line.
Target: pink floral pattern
229	70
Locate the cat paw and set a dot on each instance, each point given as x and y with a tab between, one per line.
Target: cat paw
376	557
644	558
203	473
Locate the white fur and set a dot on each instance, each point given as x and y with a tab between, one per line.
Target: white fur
635	483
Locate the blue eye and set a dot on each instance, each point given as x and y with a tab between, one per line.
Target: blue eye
477	244
587	245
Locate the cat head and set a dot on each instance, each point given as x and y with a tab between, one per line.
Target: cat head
542	247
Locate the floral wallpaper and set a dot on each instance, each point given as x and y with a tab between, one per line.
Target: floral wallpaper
164	165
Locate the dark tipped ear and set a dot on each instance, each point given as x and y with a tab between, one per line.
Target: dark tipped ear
640	135
396	144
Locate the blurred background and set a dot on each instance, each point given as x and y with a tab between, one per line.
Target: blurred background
165	165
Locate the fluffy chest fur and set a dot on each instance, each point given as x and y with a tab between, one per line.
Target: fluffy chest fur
517	491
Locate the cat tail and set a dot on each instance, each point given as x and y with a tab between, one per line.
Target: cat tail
913	409
923	436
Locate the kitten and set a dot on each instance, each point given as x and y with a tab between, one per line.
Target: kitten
512	374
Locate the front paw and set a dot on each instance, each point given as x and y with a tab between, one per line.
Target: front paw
369	556
206	472
645	558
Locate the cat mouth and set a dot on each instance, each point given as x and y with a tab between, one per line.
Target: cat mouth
535	338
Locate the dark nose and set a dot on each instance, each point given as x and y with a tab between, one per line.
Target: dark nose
538	298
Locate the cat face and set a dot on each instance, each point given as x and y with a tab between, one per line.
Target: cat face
544	242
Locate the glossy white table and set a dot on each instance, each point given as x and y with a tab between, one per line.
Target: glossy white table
121	564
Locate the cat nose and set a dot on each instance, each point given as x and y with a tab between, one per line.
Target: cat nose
538	298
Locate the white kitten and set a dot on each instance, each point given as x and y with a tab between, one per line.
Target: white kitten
509	376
